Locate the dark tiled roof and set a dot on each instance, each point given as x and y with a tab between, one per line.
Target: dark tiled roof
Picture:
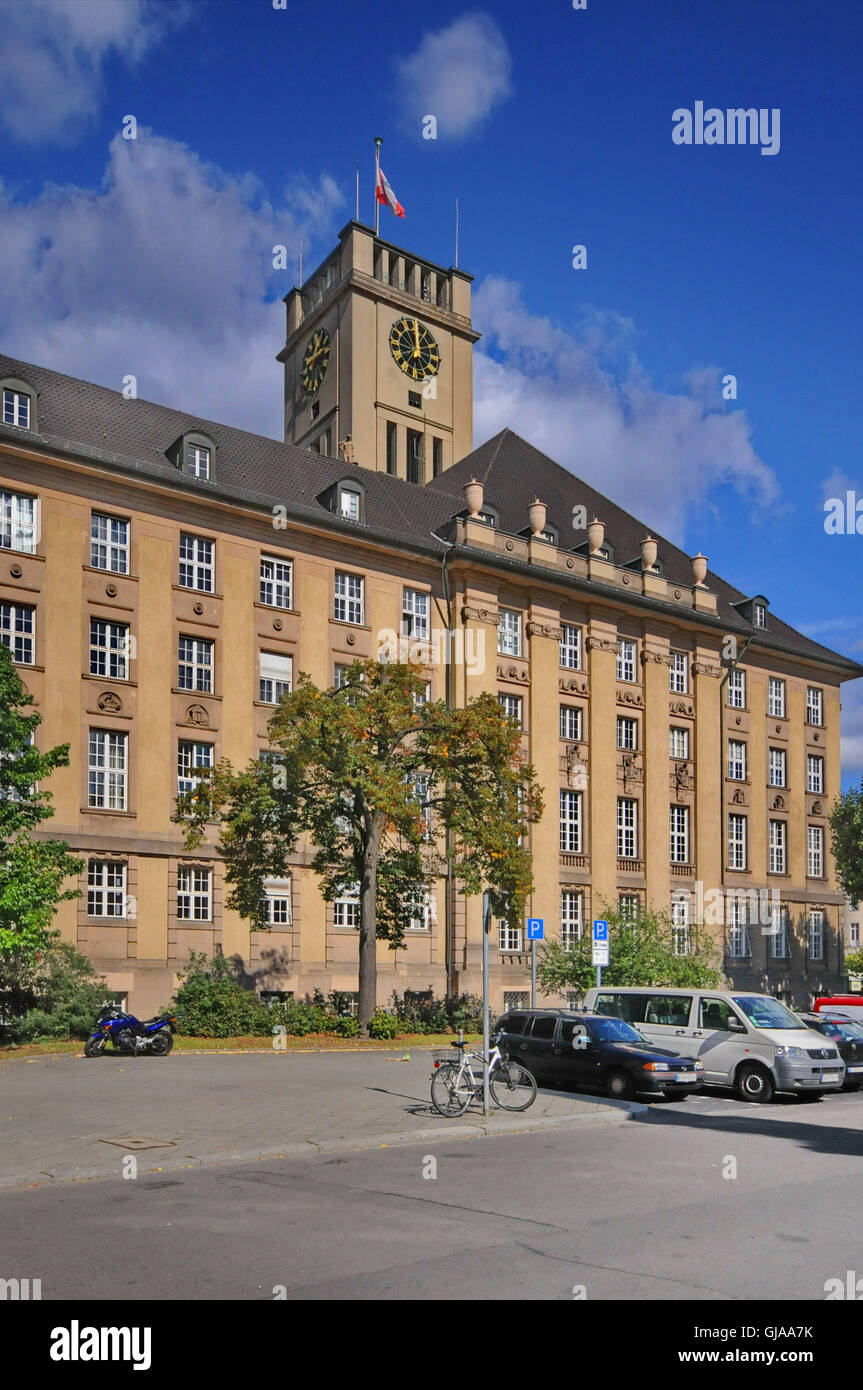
79	417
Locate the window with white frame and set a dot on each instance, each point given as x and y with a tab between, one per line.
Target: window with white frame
678	673
681	943
778	934
679	834
192	760
109	649
570	822
814	705
759	615
340	675
736	760
571	723
571	917
420	783
508	938
628	905
196	562
776	767
197	461
18	632
627	827
627	732
423	696
18	522
736	842
415	614
815	851
275	676
194	893
419	905
16	408
109	543
276	582
106	888
346	907
816	934
277	893
737	689
777	840
814	773
350	500
776	698
349	592
106	773
511	706
626	660
678	742
570	647
509	633
195	664
738	937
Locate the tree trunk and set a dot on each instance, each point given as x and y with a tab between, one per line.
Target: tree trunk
368	965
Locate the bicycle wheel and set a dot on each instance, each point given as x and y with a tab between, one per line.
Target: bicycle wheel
512	1088
447	1097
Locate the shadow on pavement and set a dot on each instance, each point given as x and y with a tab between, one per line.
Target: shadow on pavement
824	1139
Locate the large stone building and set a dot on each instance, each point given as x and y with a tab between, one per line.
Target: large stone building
164	578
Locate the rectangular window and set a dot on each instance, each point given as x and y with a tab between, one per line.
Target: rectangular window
350	504
680	926
814	773
816	934
778	838
196	562
275	676
420	908
18	517
814	705
197	461
346	907
508	938
738	938
415	614
737	842
194	894
626	661
277	892
778	935
628	906
509	633
571	721
627	828
678	742
627	732
109	543
18	632
571	920
106	889
276	582
16	408
195	664
679	834
437	456
570	647
109	649
678	673
511	706
815	851
759	615
570	822
776	767
348	607
107	770
776	698
737	689
392	448
736	760
192	759
415	457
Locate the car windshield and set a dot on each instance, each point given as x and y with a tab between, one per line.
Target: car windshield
763	1012
613	1030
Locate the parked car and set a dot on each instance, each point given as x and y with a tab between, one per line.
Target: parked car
840	1006
848	1037
582	1052
750	1043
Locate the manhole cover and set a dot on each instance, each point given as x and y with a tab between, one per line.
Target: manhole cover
134	1142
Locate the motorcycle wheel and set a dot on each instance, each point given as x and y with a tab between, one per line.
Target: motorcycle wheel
162	1044
94	1047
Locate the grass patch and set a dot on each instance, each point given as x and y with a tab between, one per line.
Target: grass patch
312	1042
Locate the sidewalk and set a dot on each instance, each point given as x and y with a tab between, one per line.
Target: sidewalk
64	1118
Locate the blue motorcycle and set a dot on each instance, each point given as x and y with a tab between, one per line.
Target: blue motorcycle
129	1035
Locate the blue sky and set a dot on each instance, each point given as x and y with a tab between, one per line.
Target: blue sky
554	129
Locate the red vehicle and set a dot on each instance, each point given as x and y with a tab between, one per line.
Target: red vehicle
840	1006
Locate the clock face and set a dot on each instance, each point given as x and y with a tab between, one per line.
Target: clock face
315	360
414	349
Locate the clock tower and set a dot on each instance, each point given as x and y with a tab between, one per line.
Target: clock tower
379	348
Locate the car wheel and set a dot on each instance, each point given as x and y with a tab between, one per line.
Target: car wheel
755	1084
619	1086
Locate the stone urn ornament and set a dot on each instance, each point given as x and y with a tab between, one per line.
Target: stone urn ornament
595	536
536	515
473	492
649	550
699	569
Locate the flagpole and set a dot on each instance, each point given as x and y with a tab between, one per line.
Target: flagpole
456	233
378	143
358	188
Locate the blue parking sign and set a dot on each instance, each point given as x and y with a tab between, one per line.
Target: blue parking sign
600	929
535	929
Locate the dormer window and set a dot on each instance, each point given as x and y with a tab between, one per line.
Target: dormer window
759	615
350	501
487	518
194	454
198	460
753	610
17	404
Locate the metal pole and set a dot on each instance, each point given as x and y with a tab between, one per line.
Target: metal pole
378	143
486	914
456	233
358	188
533	974
599	977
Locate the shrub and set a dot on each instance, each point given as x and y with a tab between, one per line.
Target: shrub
211	1002
56	997
421	1012
383	1025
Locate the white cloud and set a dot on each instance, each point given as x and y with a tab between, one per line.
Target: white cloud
52	53
165	272
458	75
585	400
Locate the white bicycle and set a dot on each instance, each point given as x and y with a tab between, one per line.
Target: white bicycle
454	1083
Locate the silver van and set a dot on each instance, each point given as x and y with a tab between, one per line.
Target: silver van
749	1042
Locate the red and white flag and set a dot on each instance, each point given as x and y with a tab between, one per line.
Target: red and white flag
384	194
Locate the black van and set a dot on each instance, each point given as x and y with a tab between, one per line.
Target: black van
589	1052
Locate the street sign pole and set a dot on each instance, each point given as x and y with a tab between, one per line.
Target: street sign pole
535	932
486	914
533	974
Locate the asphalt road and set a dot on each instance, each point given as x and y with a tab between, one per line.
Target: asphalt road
646	1210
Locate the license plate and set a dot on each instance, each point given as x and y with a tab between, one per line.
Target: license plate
829	1076
685	1076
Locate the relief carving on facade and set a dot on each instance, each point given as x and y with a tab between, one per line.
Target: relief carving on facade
631	697
513	673
661	658
109	703
471	613
682	777
544	630
576	770
706	668
603	644
199	716
573	685
630	769
682	707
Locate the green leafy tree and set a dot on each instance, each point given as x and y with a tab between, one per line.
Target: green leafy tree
846	832
854	963
369	775
32	870
640	953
